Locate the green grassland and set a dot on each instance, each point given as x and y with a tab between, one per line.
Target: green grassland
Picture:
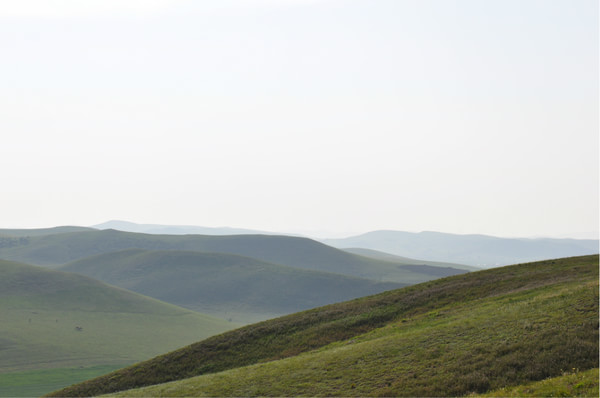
34	383
455	336
223	284
41	309
59	249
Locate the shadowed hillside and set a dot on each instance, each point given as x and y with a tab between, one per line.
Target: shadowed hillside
468	333
226	285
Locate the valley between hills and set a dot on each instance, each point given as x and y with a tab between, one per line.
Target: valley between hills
257	314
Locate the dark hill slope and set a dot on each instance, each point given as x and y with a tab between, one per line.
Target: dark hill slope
226	285
291	251
40	309
451	336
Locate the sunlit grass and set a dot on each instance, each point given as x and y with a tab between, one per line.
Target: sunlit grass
573	383
455	350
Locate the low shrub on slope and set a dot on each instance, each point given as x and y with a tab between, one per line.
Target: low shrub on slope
462	334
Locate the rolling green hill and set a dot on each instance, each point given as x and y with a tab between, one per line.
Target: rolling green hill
464	334
59	249
51	320
227	285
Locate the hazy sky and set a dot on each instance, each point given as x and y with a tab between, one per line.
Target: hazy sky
302	115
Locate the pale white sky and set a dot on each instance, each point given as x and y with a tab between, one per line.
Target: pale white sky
341	117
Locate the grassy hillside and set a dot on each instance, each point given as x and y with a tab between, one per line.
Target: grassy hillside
291	251
41	309
468	333
227	285
478	250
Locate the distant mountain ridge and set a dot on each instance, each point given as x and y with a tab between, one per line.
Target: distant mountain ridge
159	229
59	249
5	232
481	251
477	250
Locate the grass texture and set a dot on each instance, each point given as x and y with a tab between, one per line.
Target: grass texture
455	336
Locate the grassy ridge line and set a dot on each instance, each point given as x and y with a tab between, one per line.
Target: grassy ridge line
4	232
305	331
503	340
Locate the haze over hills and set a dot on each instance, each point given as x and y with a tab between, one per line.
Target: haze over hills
42	309
159	229
429	247
226	285
481	251
59	249
465	334
477	250
405	260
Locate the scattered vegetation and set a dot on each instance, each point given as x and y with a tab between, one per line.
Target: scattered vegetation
455	336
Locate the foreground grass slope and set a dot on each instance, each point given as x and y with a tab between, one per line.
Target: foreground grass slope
467	333
41	309
59	249
571	383
226	285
